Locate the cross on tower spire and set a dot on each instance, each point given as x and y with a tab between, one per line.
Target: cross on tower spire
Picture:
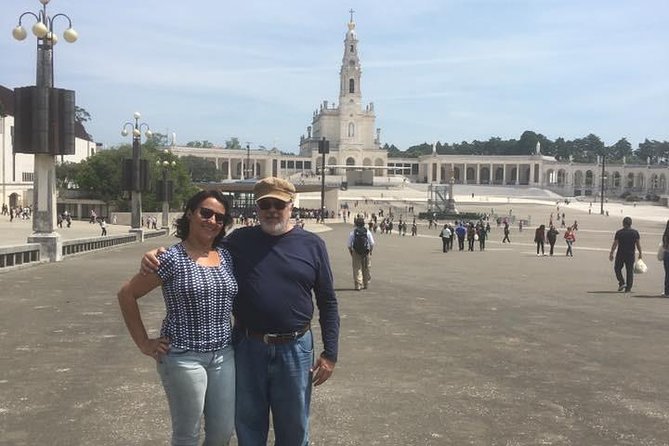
351	11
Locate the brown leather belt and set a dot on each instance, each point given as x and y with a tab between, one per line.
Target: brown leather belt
276	338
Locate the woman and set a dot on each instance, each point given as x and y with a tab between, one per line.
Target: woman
570	238
551	235
471	233
665	245
539	239
194	354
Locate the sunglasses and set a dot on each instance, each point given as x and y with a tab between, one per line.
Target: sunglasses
267	203
207	213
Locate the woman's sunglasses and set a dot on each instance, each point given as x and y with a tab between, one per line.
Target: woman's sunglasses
267	203
207	213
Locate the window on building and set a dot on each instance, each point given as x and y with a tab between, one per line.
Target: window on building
351	85
27	177
351	130
307	165
291	164
352	49
298	164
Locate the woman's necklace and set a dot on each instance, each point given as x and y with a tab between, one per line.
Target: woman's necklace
196	251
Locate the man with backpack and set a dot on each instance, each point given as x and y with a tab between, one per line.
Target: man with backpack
360	245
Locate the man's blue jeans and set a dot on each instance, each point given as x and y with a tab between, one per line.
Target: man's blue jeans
197	384
277	378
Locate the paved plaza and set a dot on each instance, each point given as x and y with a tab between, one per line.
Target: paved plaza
466	348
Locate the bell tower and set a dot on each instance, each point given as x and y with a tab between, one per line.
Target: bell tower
349	89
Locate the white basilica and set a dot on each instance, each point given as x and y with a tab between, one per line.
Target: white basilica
350	129
356	155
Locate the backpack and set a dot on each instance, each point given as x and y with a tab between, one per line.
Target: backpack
360	241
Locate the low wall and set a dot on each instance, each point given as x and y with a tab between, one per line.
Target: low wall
13	257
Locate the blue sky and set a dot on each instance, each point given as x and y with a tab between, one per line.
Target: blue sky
447	70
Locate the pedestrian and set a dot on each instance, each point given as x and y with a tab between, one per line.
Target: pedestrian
506	233
278	267
445	235
539	239
471	236
551	235
570	238
360	246
482	234
194	353
625	241
461	232
665	247
103	226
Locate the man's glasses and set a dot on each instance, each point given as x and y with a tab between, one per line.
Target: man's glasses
267	203
207	213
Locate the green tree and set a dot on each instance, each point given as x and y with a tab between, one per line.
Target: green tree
100	176
655	150
527	144
233	143
201	170
200	144
81	115
66	175
156	141
620	149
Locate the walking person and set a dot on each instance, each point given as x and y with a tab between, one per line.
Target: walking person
665	246
360	245
625	242
506	233
103	226
471	236
445	235
551	235
570	238
193	354
461	232
539	239
482	233
280	269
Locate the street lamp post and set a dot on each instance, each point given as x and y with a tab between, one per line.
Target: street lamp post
323	149
137	180
165	190
249	169
601	194
44	178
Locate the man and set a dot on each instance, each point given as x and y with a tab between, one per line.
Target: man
461	232
506	233
360	245
278	266
625	240
445	238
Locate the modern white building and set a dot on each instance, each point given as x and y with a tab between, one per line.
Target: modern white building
17	169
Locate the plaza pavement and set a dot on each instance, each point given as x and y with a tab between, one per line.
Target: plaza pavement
466	348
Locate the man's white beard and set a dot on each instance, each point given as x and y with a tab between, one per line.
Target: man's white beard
274	228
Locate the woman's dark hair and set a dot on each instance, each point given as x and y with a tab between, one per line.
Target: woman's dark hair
183	223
